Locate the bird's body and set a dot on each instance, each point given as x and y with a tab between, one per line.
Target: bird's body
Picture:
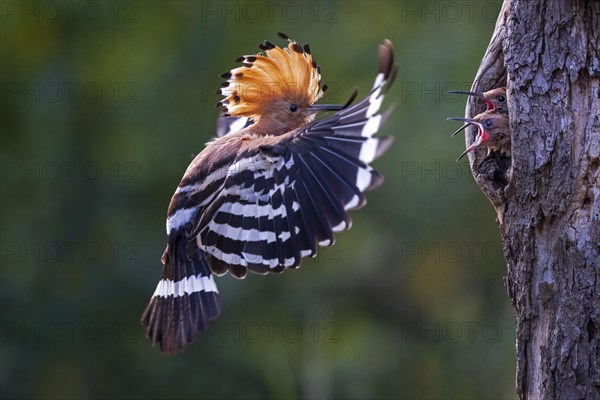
263	197
498	133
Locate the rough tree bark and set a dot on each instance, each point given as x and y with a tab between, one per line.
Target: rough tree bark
547	194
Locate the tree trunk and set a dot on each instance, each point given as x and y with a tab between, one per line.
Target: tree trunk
547	194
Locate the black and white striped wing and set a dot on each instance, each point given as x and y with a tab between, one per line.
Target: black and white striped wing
227	125
278	202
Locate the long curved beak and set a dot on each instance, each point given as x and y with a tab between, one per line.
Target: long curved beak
333	107
469	121
481	136
462	127
488	103
475	94
325	107
476	143
459	129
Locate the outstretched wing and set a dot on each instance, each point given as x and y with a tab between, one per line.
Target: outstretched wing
278	201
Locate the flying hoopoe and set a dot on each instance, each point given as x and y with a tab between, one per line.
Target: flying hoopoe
275	184
495	100
493	132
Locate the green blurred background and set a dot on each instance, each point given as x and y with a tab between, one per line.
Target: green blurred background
103	105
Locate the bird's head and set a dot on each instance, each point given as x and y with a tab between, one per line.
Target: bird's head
491	125
494	99
278	85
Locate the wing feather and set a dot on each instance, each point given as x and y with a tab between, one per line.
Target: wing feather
274	203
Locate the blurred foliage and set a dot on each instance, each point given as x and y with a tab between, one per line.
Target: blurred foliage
103	105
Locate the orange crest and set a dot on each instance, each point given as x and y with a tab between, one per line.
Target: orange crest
274	75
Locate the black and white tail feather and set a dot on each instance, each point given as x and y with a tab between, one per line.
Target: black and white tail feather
264	209
184	301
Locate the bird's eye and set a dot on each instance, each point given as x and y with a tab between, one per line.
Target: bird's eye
488	122
293	108
501	99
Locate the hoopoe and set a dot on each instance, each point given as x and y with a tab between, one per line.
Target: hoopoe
275	184
493	132
495	100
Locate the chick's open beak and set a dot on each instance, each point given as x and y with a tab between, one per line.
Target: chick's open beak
479	139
